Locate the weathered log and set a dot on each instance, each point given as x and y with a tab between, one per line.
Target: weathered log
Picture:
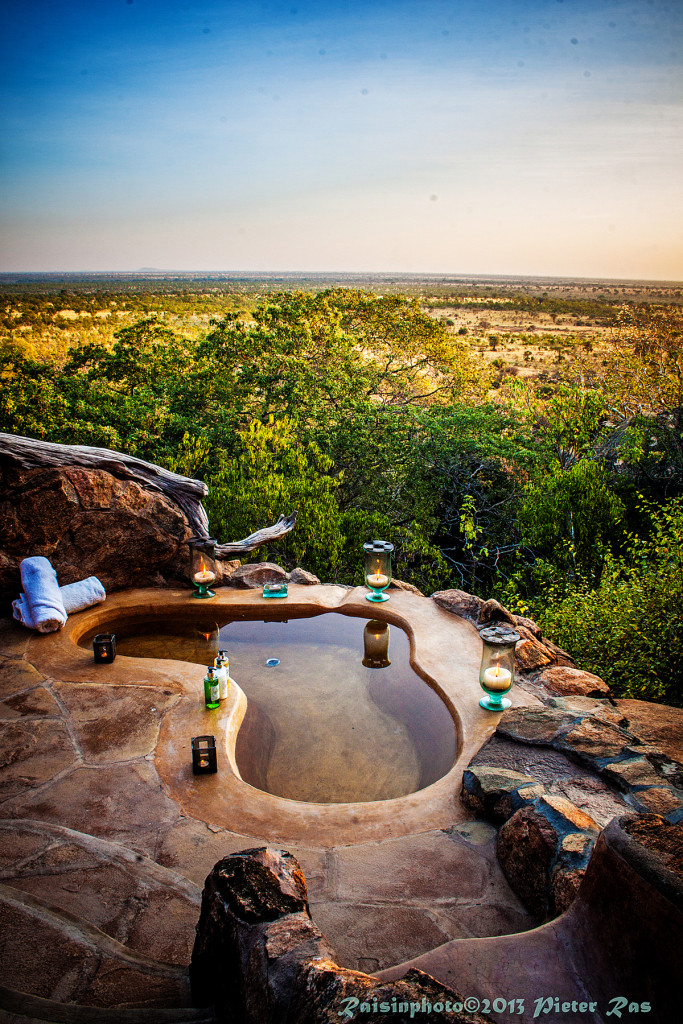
185	492
255	540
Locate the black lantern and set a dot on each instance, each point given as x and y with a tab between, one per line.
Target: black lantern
104	647
376	644
202	565
204	755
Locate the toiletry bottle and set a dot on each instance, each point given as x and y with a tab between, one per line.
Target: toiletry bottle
222	665
211	689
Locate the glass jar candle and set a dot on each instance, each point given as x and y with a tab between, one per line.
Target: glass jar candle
203	565
377	568
497	670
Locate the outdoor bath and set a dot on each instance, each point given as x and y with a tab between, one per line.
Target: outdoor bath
335	713
320	744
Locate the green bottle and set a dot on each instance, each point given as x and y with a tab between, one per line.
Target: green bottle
212	686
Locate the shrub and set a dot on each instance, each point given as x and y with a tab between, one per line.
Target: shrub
628	629
570	518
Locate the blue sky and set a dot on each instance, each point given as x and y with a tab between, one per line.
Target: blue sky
497	136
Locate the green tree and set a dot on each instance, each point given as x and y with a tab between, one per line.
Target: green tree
274	473
571	518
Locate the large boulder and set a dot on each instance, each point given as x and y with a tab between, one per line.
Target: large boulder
89	523
253	575
562	680
655	723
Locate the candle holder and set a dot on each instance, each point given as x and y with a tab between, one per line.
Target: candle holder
497	671
377	568
204	755
104	647
275	589
202	565
376	644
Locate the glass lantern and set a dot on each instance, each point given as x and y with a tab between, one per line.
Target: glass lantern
202	565
377	568
497	671
376	644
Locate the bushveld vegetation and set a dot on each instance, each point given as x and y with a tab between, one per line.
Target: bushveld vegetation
560	493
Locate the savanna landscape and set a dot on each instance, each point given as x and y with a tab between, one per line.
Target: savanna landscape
517	438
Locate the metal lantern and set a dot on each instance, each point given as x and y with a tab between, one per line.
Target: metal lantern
204	755
377	568
202	565
497	671
104	647
376	644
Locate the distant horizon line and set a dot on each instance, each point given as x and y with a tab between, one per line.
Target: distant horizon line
297	274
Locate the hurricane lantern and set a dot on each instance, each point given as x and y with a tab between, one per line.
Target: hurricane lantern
104	647
376	644
204	755
202	565
377	568
497	671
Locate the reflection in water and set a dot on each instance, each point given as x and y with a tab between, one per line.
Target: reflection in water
376	644
323	725
177	640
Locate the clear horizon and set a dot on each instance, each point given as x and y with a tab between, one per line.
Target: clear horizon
540	138
263	274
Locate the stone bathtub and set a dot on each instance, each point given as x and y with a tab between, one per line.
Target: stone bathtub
444	651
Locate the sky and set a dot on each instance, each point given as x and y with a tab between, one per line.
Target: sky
521	137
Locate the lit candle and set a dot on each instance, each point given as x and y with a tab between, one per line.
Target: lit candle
497	678
377	579
204	577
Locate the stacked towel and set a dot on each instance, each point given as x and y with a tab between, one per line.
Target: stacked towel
42	594
44	605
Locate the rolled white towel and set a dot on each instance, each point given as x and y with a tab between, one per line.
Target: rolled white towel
42	594
84	594
76	597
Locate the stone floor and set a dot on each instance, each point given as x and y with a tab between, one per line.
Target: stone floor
101	869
